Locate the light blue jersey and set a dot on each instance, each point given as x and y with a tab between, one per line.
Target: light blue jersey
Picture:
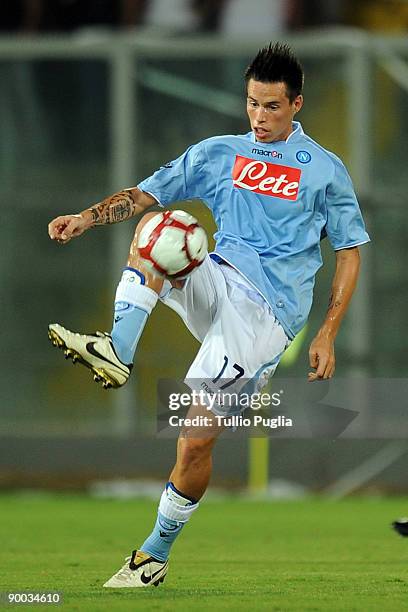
271	203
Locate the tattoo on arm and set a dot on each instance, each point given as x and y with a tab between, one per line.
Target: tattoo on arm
118	207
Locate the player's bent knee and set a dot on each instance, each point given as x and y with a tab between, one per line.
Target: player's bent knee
134	259
146	217
139	227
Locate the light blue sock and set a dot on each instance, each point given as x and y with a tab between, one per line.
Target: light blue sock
174	511
164	533
133	304
127	328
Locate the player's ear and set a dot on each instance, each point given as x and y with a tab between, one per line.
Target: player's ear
298	103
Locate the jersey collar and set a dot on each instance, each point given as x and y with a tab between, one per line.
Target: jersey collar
296	135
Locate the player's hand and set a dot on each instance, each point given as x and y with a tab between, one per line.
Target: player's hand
64	228
322	359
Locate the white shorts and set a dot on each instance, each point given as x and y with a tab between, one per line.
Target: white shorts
241	340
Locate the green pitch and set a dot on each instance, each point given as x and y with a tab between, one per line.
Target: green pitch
241	555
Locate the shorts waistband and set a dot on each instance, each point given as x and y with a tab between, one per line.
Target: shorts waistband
234	278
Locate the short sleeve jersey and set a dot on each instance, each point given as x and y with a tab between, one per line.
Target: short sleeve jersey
271	203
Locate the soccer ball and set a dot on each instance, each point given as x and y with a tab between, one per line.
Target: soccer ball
172	244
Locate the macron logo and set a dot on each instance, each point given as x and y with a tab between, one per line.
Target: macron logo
266	153
266	178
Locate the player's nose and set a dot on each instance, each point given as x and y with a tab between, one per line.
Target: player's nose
260	115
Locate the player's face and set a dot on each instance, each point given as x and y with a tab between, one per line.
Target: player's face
270	110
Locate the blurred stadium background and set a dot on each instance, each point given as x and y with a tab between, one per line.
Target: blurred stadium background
94	96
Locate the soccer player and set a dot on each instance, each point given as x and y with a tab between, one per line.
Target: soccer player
273	192
401	526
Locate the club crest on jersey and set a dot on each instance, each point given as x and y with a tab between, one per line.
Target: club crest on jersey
266	178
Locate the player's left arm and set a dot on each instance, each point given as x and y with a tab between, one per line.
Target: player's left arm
321	352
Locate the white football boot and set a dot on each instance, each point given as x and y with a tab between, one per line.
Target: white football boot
94	351
140	570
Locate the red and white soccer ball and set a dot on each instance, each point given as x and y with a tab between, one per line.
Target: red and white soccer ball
172	244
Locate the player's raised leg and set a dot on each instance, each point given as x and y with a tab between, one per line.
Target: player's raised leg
187	483
110	356
136	296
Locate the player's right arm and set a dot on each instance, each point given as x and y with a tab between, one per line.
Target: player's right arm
117	207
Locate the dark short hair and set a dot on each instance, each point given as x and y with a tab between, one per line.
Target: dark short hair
277	63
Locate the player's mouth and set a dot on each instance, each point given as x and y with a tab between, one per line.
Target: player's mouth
260	133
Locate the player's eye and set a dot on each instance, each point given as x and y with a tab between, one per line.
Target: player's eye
253	104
